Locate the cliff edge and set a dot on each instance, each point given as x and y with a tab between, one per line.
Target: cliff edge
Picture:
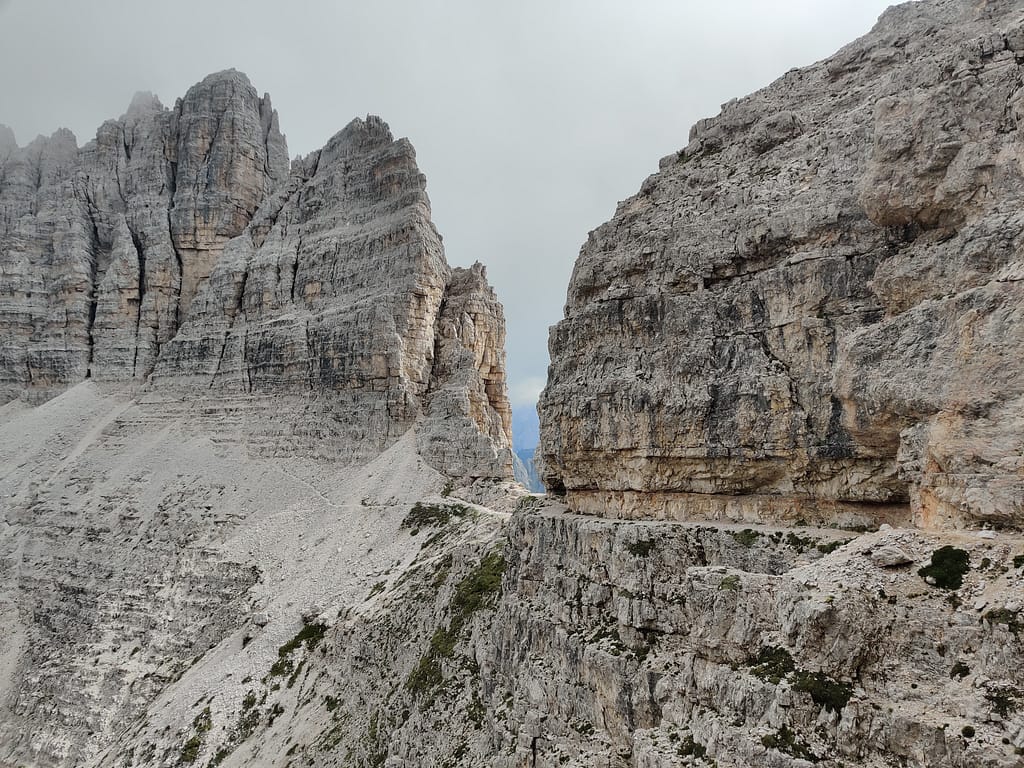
814	310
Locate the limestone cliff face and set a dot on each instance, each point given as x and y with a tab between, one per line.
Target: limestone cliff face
179	251
224	382
817	304
556	639
467	409
104	247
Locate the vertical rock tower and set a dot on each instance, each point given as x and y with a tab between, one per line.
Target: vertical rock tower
178	252
225	380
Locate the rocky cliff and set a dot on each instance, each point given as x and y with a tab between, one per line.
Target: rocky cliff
200	570
224	379
814	310
178	251
554	639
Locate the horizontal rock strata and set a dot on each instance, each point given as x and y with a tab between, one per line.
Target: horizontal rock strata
820	297
179	253
224	380
578	641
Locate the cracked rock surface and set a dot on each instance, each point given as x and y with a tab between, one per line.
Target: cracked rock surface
814	310
179	252
224	380
254	507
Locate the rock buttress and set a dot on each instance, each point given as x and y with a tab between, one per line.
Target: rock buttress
104	247
468	427
814	310
301	306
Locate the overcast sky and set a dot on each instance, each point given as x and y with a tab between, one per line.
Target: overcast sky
531	118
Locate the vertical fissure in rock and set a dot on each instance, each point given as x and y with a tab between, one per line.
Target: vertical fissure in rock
310	357
245	360
209	152
266	123
173	188
34	207
140	254
239	308
220	358
433	379
94	288
295	265
299	224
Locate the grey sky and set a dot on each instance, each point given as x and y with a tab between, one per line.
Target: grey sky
531	119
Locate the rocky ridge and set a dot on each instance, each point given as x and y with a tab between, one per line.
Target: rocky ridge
813	310
550	638
212	604
179	251
207	354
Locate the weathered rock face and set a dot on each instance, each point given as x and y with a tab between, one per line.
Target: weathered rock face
563	640
45	281
141	556
179	251
467	410
815	306
103	248
242	376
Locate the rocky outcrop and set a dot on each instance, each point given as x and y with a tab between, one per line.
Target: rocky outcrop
103	248
45	281
559	639
141	556
224	382
180	252
467	408
814	309
258	554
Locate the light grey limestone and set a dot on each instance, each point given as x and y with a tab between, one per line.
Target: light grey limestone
180	253
815	307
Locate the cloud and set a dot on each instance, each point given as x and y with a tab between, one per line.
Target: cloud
531	120
525	391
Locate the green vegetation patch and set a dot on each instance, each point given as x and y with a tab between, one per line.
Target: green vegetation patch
1010	619
948	567
784	740
529	503
282	667
959	671
201	725
772	664
641	548
691	748
825	691
730	583
1003	701
478	590
310	635
747	537
190	750
799	543
433	515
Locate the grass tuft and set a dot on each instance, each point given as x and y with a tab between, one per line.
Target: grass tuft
947	568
